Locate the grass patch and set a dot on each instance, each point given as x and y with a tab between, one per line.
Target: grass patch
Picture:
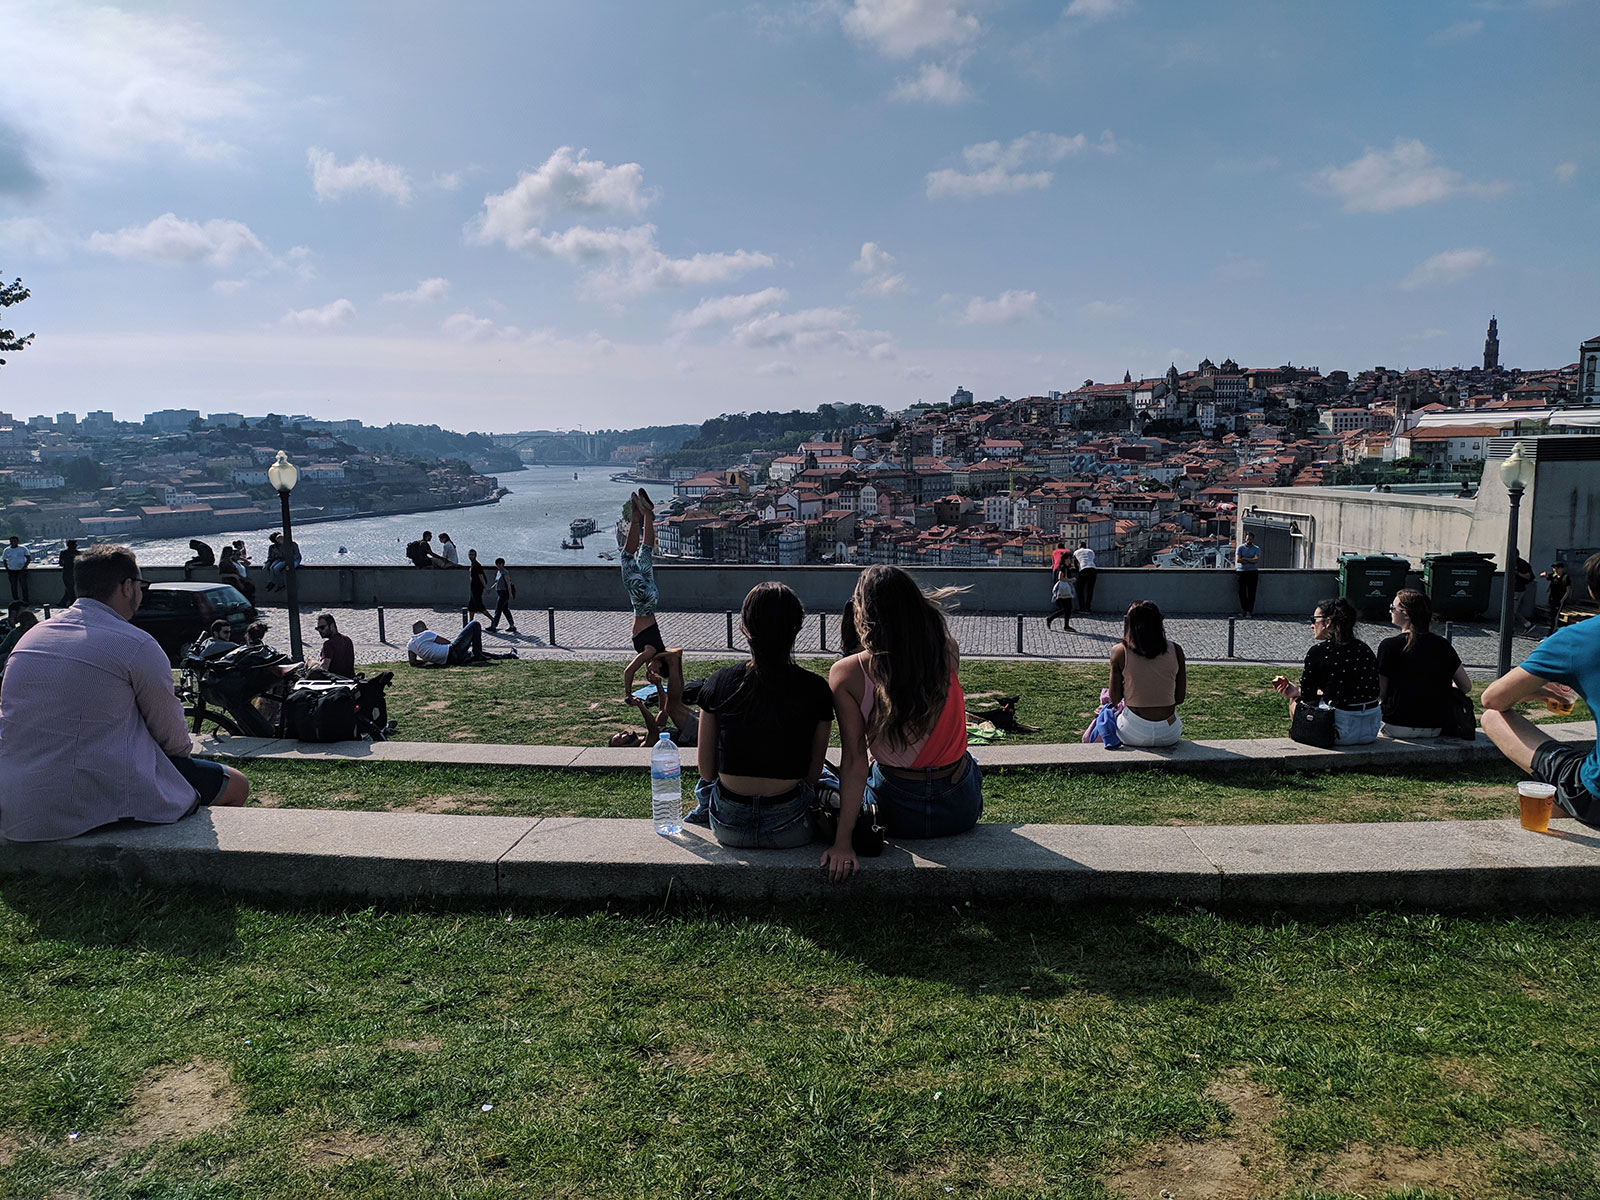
580	703
795	1053
1017	795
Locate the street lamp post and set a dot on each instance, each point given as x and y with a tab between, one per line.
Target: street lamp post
283	476
1516	473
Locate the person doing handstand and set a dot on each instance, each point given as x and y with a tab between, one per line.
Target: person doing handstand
639	581
681	721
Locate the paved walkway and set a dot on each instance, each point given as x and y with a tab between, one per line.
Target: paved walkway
592	634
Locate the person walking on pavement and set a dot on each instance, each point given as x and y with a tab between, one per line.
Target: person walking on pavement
69	581
477	581
504	593
16	559
1086	576
1247	563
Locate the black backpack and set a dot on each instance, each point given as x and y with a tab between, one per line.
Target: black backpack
317	710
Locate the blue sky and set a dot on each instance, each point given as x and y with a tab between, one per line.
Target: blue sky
504	216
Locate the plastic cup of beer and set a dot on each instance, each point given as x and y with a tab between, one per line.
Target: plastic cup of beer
1535	799
1562	703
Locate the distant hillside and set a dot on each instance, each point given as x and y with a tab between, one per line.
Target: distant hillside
430	441
724	438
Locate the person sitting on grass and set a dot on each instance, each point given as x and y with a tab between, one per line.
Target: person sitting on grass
429	649
902	719
1340	671
1150	678
764	727
681	721
1562	668
639	581
1419	673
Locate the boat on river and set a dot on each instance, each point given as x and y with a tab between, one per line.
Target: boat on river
583	527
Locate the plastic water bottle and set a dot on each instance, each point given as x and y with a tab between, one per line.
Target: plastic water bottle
666	788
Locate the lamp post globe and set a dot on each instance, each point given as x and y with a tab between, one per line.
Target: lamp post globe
283	475
1516	472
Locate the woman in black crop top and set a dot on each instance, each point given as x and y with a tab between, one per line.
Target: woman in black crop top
764	727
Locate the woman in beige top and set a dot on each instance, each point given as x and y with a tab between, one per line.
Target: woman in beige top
1149	676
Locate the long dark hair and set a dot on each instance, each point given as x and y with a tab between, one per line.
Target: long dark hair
1143	631
907	646
772	615
1418	611
1341	617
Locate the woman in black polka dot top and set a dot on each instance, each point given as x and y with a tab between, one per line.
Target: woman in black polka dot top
1341	672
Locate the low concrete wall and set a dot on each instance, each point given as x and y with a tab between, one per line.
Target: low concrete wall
722	588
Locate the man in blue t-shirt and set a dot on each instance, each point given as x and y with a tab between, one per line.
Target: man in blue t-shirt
1247	563
1569	658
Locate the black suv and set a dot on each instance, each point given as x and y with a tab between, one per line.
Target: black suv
175	614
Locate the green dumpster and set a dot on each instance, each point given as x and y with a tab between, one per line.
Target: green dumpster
1369	581
1458	584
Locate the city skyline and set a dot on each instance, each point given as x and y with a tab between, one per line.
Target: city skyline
641	216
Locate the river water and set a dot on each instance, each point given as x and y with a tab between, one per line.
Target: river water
524	528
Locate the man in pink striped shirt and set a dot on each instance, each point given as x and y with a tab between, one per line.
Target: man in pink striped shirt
90	729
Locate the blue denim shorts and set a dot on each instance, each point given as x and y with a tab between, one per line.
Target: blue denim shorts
639	581
760	822
917	808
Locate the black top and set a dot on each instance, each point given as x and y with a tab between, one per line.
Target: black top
1419	679
766	732
1344	674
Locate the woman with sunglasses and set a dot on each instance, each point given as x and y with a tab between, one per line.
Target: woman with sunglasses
1419	673
1340	671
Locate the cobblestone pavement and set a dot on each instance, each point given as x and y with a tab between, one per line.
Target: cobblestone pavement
592	634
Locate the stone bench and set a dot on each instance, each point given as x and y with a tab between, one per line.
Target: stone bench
301	853
1226	754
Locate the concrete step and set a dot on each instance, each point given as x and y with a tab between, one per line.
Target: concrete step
1226	754
300	853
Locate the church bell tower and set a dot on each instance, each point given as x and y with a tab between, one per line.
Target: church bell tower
1491	346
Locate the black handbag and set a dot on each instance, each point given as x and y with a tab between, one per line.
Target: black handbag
868	836
1313	725
1461	718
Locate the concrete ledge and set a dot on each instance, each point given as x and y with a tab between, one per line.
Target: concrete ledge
1227	754
402	856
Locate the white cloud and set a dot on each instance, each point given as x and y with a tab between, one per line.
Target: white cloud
812	330
425	292
564	185
170	239
227	287
1566	172
1003	309
917	374
467	326
877	264
626	261
1098	10
326	317
934	83
996	168
98	85
330	181
779	367
1457	32
1104	308
1404	176
447	181
1450	266
729	310
901	28
29	237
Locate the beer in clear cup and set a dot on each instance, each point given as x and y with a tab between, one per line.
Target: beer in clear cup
1561	704
1535	799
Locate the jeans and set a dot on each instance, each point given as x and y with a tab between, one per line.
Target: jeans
1247	590
1086	588
759	822
639	581
1356	728
1134	730
468	645
502	608
927	808
18	580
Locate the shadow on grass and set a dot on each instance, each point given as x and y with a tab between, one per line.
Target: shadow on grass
180	923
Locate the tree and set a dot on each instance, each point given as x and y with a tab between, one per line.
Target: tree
12	293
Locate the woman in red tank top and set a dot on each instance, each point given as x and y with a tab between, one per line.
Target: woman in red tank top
902	718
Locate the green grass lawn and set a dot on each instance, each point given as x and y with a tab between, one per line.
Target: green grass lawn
208	1050
1017	795
579	703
